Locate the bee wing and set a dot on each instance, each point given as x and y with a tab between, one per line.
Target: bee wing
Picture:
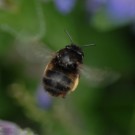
33	51
34	54
99	77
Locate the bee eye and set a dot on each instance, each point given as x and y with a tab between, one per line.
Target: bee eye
80	53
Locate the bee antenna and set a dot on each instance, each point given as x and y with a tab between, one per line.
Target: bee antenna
69	36
88	45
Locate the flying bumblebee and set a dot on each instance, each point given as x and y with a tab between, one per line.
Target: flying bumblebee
62	73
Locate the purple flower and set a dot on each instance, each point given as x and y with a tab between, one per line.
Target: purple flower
64	6
8	128
44	100
93	6
121	10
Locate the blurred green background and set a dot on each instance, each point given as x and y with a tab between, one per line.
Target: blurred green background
29	28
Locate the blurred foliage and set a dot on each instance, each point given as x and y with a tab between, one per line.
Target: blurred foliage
108	110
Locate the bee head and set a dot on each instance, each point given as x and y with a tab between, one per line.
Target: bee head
70	57
76	49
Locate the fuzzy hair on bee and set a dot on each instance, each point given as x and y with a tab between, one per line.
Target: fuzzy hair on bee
62	73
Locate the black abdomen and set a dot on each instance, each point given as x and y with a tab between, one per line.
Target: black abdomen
56	83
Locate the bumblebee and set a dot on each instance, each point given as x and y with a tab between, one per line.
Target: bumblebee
62	74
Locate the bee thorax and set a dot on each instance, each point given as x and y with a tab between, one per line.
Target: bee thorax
66	60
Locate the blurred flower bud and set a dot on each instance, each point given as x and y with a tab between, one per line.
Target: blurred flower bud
9	128
93	6
121	10
64	6
44	100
